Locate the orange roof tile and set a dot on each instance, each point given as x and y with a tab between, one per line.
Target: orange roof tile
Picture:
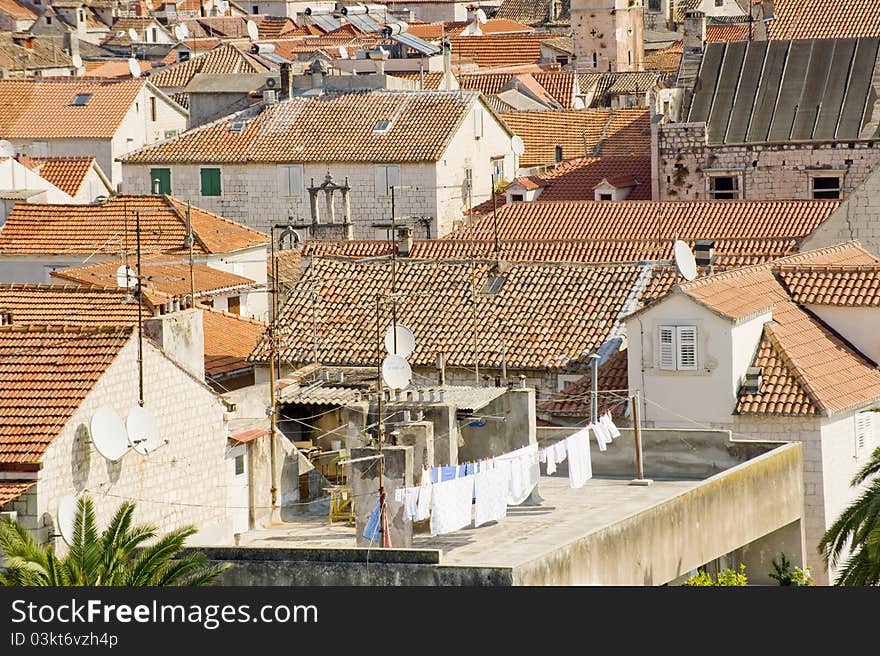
497	49
165	275
70	305
16	10
229	340
544	316
114	68
644	220
225	59
431	80
574	400
45	374
834	284
559	84
665	59
533	12
581	133
43	109
727	32
435	31
66	173
333	127
824	19
11	490
273	27
109	227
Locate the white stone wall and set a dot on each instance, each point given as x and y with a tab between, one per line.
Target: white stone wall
250	263
183	482
101	149
618	27
769	171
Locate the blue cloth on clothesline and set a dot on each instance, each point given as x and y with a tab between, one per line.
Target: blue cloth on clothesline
373	531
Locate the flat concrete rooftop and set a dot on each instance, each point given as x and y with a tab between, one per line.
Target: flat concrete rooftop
527	532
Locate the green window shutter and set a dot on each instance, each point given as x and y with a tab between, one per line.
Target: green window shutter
163	176
210	182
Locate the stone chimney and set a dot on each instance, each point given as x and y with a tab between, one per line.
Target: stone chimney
404	241
286	79
693	30
379	57
181	335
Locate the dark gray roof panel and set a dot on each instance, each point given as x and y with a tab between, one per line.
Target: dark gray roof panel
779	91
859	82
793	80
832	100
708	78
765	102
725	91
747	92
814	90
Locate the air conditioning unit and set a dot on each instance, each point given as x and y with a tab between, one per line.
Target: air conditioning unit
752	382
11	515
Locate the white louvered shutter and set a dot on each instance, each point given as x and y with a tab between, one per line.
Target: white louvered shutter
381	181
667	347
687	347
864	429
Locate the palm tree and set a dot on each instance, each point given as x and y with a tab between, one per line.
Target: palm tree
115	557
857	532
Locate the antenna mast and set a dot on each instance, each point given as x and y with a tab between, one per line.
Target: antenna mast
139	295
192	275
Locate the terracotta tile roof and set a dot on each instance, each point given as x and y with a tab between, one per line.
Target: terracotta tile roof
229	340
16	10
229	27
109	227
728	252
729	32
166	276
273	27
531	12
559	84
606	86
497	49
560	42
137	23
225	59
846	285
574	400
581	132
11	490
44	52
485	83
289	48
114	68
499	105
431	80
743	293
70	305
333	127
436	31
45	374
575	180
824	19
546	315
641	220
43	109
66	173
181	99
665	59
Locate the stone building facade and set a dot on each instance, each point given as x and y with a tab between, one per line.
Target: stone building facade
607	36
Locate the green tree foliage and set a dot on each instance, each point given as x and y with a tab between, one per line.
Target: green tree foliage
853	541
726	577
785	575
116	557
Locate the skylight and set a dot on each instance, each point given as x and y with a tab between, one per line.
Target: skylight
81	100
382	126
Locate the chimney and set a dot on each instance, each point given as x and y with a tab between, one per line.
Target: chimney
269	96
404	241
181	336
379	56
74	45
441	369
286	79
693	30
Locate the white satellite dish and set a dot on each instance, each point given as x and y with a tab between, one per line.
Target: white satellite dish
252	30
108	434
66	517
481	16
132	34
181	31
396	372
684	260
143	432
134	67
125	277
406	341
518	145
6	149
77	61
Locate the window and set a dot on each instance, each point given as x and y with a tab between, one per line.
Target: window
562	59
604	196
498	168
469	187
724	187
629	57
558	154
170	133
864	430
210	182
290	180
48	20
516	198
825	187
81	99
160	181
382	126
154	33
255	9
233	304
595	60
386	177
719	3
239	465
677	348
654	5
153	108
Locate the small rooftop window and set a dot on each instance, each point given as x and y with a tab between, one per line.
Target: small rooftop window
382	126
81	100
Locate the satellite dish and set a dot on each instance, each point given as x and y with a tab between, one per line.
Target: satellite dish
126	278
6	149
132	34
518	145
684	260
396	372
406	341
252	30
143	432
66	517
481	16
343	52
108	434
134	67
181	31
77	61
